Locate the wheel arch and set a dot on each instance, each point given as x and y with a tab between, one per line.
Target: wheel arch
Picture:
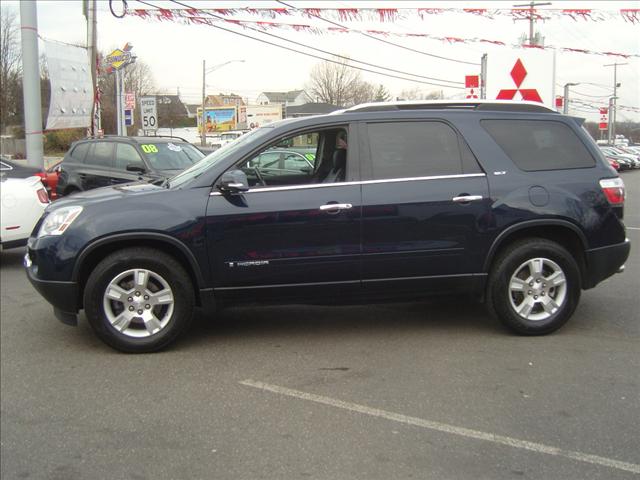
96	251
562	232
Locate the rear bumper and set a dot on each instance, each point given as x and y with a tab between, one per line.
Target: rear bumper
605	261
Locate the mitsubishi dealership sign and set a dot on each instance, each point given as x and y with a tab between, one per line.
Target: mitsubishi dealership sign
521	74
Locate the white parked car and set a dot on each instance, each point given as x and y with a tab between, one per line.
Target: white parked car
23	202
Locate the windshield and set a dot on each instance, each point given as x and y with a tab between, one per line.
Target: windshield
216	156
171	156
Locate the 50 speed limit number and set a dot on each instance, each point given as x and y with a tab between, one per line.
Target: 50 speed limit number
149	113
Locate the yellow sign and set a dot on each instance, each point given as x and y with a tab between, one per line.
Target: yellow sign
119	57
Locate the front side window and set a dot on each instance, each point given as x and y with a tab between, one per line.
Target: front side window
539	144
127	155
309	158
413	149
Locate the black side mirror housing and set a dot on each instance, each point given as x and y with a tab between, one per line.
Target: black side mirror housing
133	167
233	181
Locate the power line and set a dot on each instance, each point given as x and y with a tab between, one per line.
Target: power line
327	52
380	39
311	54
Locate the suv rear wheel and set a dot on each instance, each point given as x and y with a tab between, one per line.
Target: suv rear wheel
534	286
139	300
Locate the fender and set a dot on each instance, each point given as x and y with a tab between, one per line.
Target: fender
547	222
139	236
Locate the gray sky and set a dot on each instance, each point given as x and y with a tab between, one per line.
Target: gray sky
175	51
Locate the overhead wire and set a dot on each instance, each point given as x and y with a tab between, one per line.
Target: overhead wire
381	39
310	54
350	59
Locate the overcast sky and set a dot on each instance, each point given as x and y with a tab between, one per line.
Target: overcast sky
175	51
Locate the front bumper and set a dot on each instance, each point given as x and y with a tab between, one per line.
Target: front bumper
62	295
605	261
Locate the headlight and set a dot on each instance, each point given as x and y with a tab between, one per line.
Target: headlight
57	222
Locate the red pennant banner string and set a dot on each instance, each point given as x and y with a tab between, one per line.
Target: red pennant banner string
391	14
207	17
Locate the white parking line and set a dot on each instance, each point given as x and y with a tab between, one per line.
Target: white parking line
633	228
443	427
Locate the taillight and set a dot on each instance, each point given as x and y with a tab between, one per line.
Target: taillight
42	195
613	188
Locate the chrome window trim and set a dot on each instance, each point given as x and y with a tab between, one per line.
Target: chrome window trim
361	182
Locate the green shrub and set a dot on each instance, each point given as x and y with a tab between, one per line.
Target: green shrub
61	140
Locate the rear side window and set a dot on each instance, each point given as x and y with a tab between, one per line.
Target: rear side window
539	144
101	154
80	152
413	149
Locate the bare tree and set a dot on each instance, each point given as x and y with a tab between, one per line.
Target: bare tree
138	79
339	84
10	67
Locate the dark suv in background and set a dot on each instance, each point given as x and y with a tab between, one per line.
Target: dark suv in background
510	203
104	161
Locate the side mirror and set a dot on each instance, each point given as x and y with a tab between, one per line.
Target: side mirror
135	167
233	181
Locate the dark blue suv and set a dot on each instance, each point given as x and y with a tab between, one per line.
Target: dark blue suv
511	203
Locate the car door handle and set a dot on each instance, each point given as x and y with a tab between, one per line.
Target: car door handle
335	207
466	198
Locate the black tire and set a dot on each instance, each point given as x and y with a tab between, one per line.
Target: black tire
161	268
502	301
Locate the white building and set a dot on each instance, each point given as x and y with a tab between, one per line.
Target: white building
287	99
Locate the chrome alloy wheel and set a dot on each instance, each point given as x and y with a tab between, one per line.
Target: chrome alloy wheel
138	303
537	289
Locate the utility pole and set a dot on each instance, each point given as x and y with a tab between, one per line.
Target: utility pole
483	76
565	106
91	14
613	103
531	18
203	133
31	84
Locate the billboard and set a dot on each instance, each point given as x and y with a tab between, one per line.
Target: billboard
260	115
217	119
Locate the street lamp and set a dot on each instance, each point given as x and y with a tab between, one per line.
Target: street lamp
205	70
565	108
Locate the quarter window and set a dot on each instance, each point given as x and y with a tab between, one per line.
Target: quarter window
101	154
413	149
80	151
539	144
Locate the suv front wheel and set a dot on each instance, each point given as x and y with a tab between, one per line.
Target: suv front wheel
138	300
534	286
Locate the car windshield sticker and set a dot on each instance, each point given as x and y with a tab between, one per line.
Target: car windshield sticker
310	156
149	148
174	148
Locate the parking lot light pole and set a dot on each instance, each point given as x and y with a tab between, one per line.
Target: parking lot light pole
565	107
203	133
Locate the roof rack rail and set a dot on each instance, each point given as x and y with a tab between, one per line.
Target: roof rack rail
110	135
485	105
162	136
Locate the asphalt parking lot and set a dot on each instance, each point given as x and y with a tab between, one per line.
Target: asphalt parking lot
422	390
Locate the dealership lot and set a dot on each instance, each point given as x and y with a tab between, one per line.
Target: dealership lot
420	390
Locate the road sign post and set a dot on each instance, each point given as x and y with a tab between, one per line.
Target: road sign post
149	114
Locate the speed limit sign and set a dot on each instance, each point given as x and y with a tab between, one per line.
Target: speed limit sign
149	113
